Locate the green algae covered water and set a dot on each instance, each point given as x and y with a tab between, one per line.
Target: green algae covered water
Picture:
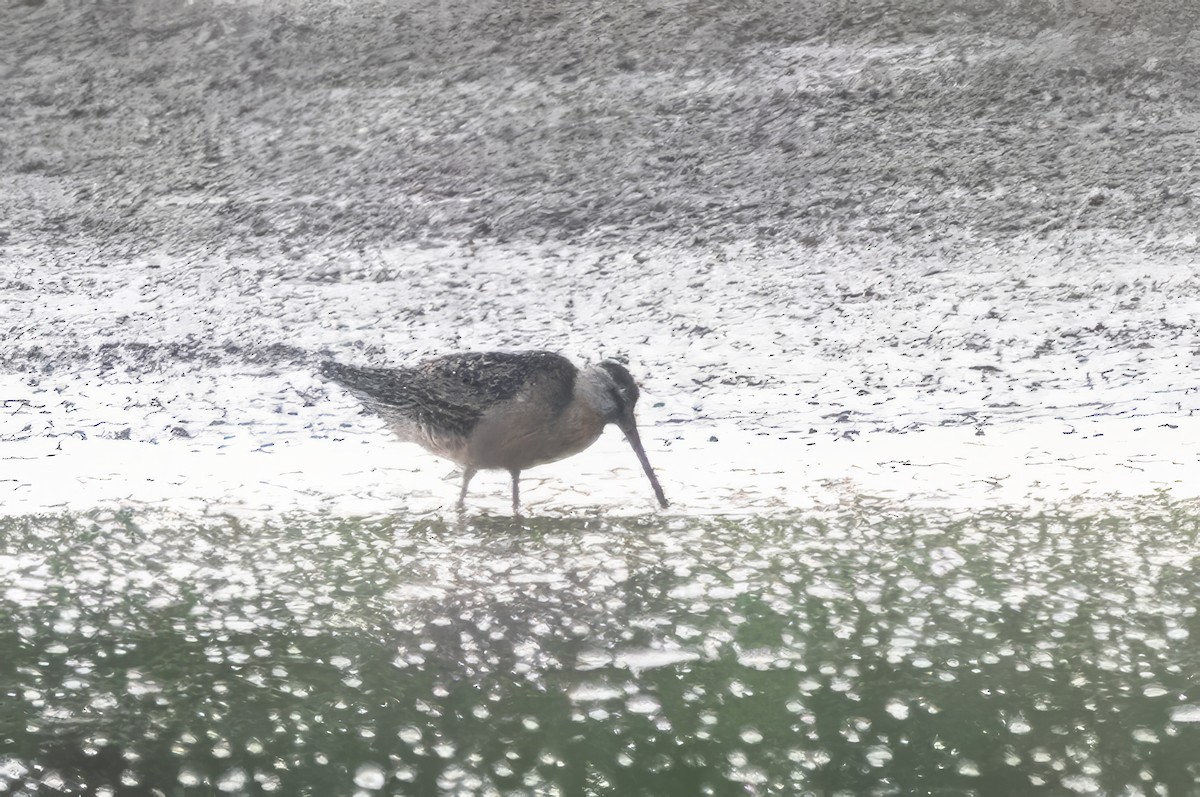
859	652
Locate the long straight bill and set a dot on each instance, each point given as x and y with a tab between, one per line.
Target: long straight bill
629	427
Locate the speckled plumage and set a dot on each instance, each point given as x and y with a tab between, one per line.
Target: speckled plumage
505	410
449	395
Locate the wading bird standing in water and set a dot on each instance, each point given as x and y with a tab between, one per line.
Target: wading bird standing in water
500	410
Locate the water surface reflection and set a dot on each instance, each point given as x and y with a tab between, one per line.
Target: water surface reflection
869	653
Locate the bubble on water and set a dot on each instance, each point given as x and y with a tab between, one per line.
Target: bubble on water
409	734
1188	713
138	686
188	777
369	776
739	689
1154	690
826	591
945	560
751	776
268	781
897	709
597	691
688	591
968	768
103	701
751	735
1019	725
54	780
1145	735
878	755
232	780
1081	784
757	658
22	597
239	625
648	659
592	660
643	704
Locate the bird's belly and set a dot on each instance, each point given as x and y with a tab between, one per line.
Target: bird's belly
445	444
550	448
514	441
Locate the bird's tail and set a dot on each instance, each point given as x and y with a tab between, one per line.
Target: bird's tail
384	392
351	377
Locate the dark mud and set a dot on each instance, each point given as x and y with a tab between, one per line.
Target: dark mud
277	128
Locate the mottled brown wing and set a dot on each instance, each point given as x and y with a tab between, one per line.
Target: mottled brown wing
450	394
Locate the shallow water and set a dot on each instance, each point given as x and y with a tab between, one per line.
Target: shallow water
866	652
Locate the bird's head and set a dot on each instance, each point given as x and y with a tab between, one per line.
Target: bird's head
623	393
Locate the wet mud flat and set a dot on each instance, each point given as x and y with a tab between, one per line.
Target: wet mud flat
816	241
776	378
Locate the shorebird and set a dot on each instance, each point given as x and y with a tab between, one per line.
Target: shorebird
500	410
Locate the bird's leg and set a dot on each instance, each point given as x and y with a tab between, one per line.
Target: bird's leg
468	472
516	477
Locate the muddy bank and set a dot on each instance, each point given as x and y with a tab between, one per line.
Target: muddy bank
274	129
803	235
